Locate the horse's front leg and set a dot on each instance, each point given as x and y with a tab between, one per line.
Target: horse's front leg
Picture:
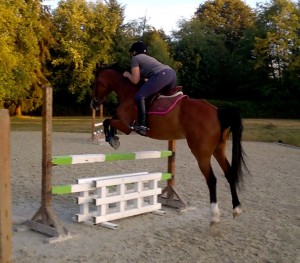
110	134
110	127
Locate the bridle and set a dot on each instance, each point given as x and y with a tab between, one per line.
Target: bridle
96	100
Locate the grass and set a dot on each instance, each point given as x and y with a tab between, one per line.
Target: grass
59	124
260	130
272	130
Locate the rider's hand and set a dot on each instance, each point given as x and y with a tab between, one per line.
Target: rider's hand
126	74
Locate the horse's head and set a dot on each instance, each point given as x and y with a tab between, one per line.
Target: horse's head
104	82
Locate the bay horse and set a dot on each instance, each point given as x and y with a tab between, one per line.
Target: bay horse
205	127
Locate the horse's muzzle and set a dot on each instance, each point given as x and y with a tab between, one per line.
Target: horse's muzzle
95	103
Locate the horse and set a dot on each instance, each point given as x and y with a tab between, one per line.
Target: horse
205	127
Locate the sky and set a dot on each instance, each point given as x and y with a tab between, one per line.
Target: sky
161	14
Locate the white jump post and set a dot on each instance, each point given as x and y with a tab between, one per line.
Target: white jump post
5	189
97	132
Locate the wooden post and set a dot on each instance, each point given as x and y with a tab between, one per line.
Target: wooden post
171	161
45	220
170	196
93	125
5	189
101	112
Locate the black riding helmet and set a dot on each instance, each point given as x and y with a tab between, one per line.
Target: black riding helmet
139	47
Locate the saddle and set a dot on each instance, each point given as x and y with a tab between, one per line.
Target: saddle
164	101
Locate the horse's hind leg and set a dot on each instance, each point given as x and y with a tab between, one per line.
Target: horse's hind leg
220	156
211	180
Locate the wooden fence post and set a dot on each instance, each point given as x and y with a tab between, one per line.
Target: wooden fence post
5	189
45	220
170	195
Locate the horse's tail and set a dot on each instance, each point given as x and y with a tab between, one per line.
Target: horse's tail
231	118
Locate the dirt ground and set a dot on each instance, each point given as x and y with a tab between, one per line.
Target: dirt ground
267	231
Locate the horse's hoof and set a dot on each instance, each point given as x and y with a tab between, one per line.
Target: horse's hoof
215	221
237	211
114	143
215	214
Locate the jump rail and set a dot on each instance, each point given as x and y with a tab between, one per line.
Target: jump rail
95	158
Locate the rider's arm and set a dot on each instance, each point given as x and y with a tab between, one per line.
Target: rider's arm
134	76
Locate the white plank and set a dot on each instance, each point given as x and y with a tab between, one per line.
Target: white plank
133	212
126	197
91	179
128	180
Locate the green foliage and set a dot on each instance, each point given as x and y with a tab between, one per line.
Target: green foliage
84	34
225	52
226	17
202	56
122	40
277	48
23	53
8	56
209	51
158	47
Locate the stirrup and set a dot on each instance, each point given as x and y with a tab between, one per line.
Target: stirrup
141	128
132	125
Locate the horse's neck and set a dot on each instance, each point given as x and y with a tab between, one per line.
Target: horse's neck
122	86
125	90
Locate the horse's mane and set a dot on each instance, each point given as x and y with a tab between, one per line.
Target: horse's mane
114	66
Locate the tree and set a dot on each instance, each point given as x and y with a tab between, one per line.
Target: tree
200	56
124	37
22	43
228	17
8	54
277	48
84	35
158	47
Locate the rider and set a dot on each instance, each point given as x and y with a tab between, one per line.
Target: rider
157	75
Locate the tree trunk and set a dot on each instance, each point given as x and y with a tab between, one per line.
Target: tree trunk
18	111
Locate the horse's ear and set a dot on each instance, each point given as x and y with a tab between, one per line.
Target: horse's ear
117	66
98	66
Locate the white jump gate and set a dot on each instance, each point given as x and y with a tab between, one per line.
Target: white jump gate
107	198
98	132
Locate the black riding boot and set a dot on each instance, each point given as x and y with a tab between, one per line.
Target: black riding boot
142	115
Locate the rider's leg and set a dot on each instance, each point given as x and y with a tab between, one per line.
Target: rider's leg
142	114
155	83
